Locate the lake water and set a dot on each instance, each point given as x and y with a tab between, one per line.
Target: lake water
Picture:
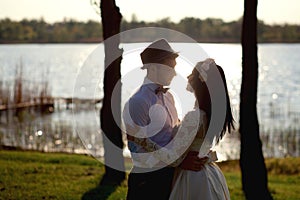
76	70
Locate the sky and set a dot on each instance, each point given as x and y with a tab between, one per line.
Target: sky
270	11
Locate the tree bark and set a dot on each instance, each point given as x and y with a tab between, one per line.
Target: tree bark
254	173
112	138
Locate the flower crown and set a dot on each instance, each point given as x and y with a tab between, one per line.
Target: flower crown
204	66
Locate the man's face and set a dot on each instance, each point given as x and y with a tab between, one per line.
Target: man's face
165	74
162	73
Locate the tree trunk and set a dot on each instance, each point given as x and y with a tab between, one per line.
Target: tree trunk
112	138
254	173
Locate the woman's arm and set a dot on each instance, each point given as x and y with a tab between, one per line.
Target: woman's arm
150	146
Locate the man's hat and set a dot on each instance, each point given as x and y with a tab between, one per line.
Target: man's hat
157	51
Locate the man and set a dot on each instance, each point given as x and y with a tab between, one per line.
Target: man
152	116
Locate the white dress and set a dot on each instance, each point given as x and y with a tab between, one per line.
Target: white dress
207	184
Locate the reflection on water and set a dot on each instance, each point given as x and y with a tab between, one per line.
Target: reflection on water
73	130
78	130
43	132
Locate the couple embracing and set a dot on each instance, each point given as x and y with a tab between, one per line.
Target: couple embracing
165	150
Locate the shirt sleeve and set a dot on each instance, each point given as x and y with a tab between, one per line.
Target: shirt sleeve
146	120
139	111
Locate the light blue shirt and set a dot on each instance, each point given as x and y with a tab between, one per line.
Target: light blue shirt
139	106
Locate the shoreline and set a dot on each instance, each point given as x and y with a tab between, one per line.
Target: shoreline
128	42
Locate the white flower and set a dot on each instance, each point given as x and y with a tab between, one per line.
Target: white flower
204	66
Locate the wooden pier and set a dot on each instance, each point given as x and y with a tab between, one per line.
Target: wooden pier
76	102
49	103
8	112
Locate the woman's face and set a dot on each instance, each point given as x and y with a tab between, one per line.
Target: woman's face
194	82
190	83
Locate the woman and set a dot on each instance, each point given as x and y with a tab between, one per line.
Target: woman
208	183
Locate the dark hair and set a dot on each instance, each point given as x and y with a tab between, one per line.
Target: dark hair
204	100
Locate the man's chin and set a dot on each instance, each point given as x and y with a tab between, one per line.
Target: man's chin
166	82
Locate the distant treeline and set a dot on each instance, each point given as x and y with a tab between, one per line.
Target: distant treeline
207	30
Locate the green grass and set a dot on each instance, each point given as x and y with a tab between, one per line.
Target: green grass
36	175
283	178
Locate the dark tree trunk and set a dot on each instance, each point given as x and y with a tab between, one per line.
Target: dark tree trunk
254	173
112	140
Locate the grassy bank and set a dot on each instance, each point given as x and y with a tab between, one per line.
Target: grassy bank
35	175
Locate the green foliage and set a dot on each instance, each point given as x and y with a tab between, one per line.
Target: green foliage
289	166
38	31
207	30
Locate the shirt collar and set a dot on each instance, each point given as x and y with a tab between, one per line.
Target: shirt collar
150	84
148	81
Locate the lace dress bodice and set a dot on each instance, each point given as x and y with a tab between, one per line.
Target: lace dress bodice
202	127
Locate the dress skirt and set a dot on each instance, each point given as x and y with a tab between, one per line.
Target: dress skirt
207	184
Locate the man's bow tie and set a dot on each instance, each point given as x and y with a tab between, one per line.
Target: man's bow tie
161	89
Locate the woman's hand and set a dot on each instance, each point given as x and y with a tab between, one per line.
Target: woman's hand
193	162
